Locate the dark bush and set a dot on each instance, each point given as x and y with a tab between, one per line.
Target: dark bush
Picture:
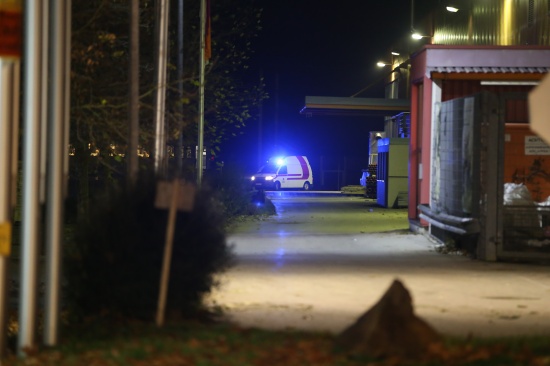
234	190
113	262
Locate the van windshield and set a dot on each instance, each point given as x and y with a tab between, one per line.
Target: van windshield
268	169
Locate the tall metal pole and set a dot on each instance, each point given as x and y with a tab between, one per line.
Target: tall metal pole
179	154
44	85
412	16
260	123
260	132
15	130
276	134
202	64
133	109
57	149
33	10
7	124
10	54
67	94
162	55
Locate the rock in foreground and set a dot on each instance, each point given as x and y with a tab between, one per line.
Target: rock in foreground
390	328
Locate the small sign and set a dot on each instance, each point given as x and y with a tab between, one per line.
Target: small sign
185	197
539	109
5	239
535	145
10	32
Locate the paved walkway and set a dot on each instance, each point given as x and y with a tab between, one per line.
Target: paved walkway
324	282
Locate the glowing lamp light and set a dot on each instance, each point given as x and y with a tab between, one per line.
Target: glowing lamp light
280	161
381	64
253	178
417	36
395	53
452	9
269	177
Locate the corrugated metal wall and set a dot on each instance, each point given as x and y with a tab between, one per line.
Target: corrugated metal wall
494	22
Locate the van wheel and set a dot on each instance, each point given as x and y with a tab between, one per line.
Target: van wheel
306	186
277	186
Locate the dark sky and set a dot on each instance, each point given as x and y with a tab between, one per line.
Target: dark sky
319	48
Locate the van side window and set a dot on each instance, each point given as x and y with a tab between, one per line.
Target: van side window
282	170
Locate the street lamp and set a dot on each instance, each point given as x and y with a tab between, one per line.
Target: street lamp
452	9
382	64
418	36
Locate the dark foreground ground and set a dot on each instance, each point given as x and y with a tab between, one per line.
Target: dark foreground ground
192	343
306	274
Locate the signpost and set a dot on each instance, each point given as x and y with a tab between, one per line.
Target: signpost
174	196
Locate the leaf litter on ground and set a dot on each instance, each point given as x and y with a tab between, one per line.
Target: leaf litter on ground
194	343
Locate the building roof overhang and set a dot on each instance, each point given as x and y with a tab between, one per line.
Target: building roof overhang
481	62
354	106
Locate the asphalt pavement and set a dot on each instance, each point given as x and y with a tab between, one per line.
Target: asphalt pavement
320	263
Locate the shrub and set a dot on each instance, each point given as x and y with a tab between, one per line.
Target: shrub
234	191
113	261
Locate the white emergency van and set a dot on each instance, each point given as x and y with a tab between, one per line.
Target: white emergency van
280	173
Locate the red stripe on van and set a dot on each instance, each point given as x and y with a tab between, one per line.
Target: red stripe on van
305	168
289	176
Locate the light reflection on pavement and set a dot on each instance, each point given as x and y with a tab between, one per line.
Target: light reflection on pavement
308	269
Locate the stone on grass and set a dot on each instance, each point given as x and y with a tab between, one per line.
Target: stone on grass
390	329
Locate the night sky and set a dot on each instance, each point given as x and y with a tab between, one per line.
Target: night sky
319	48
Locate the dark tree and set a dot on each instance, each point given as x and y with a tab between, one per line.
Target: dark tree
99	79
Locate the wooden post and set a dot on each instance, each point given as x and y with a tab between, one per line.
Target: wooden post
175	196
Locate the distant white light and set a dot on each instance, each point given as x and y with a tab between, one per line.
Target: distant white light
395	53
280	161
381	64
452	9
417	36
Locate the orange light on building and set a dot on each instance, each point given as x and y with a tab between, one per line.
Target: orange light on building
10	28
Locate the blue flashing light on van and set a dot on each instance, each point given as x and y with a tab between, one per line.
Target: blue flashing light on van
291	172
